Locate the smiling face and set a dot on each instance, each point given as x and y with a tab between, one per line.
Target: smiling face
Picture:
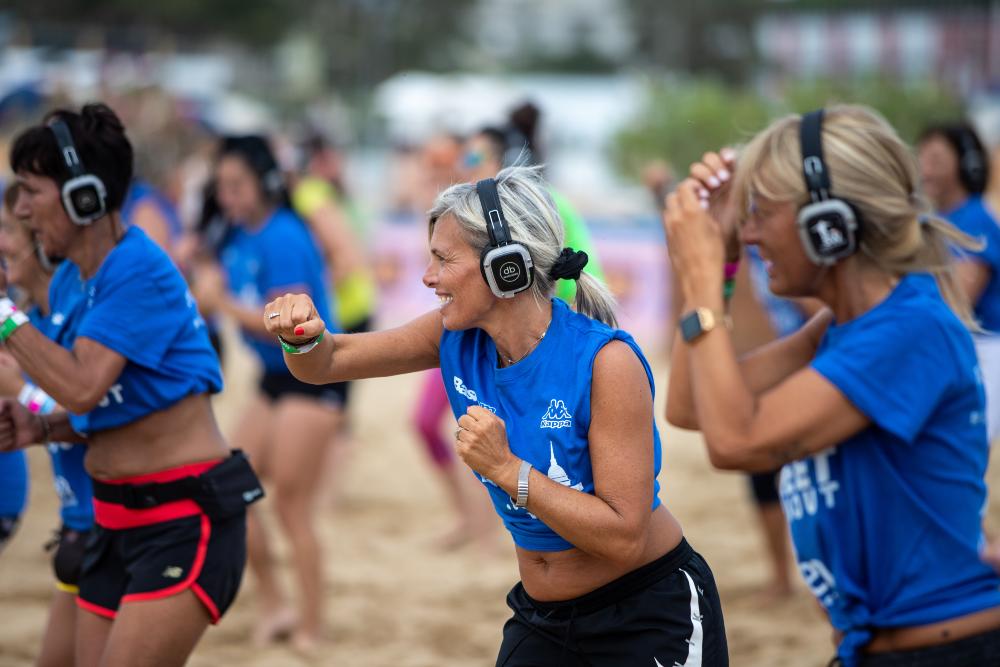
772	227
40	203
453	273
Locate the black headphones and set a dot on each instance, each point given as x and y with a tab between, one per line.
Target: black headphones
505	264
971	161
828	226
83	196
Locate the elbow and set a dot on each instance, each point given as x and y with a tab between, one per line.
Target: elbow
626	549
726	454
680	418
81	402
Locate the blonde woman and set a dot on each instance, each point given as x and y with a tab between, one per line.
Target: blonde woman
555	416
875	407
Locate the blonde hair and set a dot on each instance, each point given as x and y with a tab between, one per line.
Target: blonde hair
874	170
535	223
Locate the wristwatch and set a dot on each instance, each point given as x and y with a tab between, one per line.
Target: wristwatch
699	322
522	485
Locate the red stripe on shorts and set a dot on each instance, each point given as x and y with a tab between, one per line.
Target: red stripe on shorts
193	573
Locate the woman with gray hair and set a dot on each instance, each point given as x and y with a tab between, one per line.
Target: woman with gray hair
555	416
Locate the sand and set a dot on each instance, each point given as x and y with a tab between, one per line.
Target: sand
395	601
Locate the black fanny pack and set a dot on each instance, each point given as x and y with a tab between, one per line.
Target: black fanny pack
222	491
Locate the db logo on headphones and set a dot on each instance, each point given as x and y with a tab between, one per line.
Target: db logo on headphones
509	272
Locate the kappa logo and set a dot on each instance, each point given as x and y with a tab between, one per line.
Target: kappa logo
557	416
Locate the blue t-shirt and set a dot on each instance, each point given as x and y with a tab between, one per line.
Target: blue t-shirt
138	305
887	524
264	262
973	218
140	192
13	483
71	480
544	401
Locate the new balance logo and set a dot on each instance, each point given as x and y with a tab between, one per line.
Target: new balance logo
173	572
557	416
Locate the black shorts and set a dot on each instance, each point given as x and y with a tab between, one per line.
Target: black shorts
274	385
166	547
765	487
8	526
975	651
69	546
163	559
665	613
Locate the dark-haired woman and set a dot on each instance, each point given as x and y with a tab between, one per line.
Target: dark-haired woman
288	424
954	171
136	375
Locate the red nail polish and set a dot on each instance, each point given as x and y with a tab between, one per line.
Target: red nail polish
299	331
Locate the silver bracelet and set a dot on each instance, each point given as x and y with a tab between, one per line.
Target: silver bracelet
522	485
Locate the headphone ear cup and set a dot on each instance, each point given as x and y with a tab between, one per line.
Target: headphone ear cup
828	230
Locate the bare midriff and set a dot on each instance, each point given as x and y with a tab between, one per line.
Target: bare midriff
563	575
186	432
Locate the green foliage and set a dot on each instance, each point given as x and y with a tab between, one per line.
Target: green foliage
909	107
684	119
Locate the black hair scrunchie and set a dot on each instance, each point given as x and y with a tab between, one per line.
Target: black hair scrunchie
569	264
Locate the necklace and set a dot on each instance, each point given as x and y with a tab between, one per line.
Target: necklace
510	362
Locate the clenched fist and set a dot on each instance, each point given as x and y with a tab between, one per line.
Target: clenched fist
482	445
294	318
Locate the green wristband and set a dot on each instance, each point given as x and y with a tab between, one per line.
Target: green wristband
11	324
291	348
728	287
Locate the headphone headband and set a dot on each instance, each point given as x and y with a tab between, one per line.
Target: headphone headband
505	264
496	223
813	167
828	226
84	195
66	147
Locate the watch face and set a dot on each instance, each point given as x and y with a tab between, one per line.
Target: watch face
690	326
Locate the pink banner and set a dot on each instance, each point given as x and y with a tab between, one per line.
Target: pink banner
634	261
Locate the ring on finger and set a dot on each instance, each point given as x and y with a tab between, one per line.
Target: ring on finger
271	316
458	432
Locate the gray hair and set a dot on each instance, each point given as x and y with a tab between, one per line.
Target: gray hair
534	222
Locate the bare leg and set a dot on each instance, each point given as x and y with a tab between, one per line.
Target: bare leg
91	637
274	618
303	428
772	520
60	630
179	620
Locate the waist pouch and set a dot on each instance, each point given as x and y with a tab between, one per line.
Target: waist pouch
222	491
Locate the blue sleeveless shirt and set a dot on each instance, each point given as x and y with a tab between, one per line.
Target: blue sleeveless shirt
71	479
544	401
